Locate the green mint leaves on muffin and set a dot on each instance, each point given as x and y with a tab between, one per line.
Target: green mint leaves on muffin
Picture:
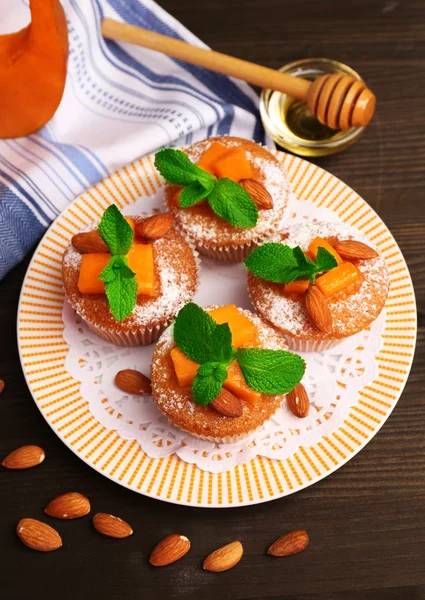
204	341
121	286
227	198
115	231
282	264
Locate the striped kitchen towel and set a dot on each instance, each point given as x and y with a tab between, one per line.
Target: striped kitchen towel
120	102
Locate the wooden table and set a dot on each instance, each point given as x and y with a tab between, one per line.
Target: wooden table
367	520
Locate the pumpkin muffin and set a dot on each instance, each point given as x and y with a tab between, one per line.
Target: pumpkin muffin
254	168
239	410
340	300
166	269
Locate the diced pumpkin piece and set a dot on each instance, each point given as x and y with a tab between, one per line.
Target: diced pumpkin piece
184	367
140	260
234	165
92	264
210	156
337	279
236	384
317	242
296	287
243	330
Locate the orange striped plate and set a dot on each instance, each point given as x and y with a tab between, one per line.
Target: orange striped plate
43	351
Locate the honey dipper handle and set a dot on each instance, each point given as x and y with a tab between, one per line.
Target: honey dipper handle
215	61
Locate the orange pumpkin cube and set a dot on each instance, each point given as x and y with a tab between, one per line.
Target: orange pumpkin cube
315	245
140	261
337	279
296	287
210	156
92	265
185	368
243	330
237	385
234	165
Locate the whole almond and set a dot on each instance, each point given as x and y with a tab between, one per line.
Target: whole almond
318	309
290	543
38	536
1	385
24	458
155	227
352	250
133	382
111	526
298	401
258	193
169	550
88	242
224	558
227	404
68	506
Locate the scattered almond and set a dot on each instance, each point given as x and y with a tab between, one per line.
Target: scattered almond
89	241
1	385
111	526
224	558
24	458
155	227
298	401
318	309
227	404
352	250
169	550
258	193
133	382
38	536
68	506
290	543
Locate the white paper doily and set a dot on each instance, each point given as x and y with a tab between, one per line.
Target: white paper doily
332	378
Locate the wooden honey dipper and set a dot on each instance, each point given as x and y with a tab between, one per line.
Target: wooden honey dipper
337	100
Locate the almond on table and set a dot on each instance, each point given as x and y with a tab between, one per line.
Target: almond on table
224	558
24	458
111	526
38	535
169	550
71	505
290	543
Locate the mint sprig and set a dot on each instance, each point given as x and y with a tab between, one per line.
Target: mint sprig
206	342
229	200
121	286
282	264
115	231
270	371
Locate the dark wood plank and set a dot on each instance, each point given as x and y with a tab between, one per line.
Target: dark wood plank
366	521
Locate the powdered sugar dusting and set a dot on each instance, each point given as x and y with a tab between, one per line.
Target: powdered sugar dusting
351	312
176	265
179	399
212	229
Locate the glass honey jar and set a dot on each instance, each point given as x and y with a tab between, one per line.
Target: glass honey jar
291	124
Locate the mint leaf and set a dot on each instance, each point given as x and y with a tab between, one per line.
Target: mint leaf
273	262
221	344
176	167
193	193
115	231
193	329
270	371
232	203
208	382
325	261
120	286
